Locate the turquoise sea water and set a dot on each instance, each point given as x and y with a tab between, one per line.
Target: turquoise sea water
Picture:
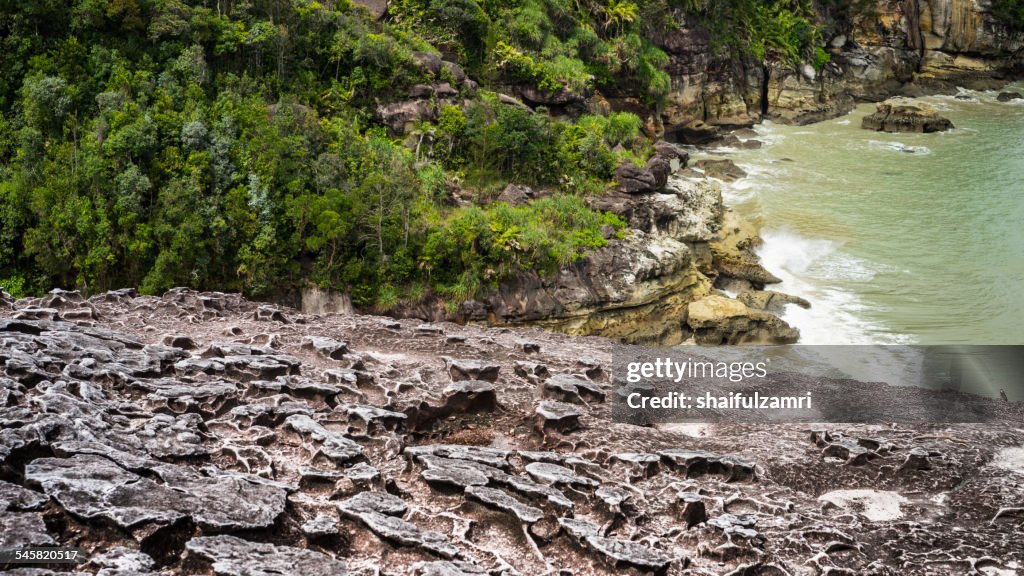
895	238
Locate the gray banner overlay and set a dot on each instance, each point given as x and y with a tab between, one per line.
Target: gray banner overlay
878	384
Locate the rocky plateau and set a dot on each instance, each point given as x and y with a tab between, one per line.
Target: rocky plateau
200	433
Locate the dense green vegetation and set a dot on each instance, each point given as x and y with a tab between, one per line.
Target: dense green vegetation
783	30
1010	13
233	144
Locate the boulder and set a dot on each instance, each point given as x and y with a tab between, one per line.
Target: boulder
719	320
744	266
724	170
516	195
233	556
905	115
566	388
558	416
1008	96
675	155
329	348
470	369
771	300
635	180
399	117
465	396
542	97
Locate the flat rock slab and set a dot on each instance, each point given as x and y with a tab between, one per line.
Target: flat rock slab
14	497
558	416
447	568
494	457
567	388
500	500
625	554
403	533
554	474
467	396
379	502
469	369
92	487
233	556
696	463
327	347
23	529
333	445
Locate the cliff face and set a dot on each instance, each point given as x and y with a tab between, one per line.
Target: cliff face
898	46
658	285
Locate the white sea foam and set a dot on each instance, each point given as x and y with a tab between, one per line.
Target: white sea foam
899	147
813	269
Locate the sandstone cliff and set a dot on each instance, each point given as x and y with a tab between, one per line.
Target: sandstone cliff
910	46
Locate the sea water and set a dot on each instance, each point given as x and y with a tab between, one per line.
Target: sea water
894	238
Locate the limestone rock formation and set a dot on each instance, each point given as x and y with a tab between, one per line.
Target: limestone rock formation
906	115
335	468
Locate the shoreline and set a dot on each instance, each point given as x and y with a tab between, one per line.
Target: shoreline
827	250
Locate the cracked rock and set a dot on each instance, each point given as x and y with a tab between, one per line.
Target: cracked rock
558	416
471	396
233	556
466	369
502	501
327	347
566	388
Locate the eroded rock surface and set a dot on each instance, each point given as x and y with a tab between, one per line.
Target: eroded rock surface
348	444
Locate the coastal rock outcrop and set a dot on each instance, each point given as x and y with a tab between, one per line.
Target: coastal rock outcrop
719	320
875	50
906	115
638	288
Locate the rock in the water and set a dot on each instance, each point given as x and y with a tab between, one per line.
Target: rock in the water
719	320
1008	96
725	170
233	556
771	300
905	115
